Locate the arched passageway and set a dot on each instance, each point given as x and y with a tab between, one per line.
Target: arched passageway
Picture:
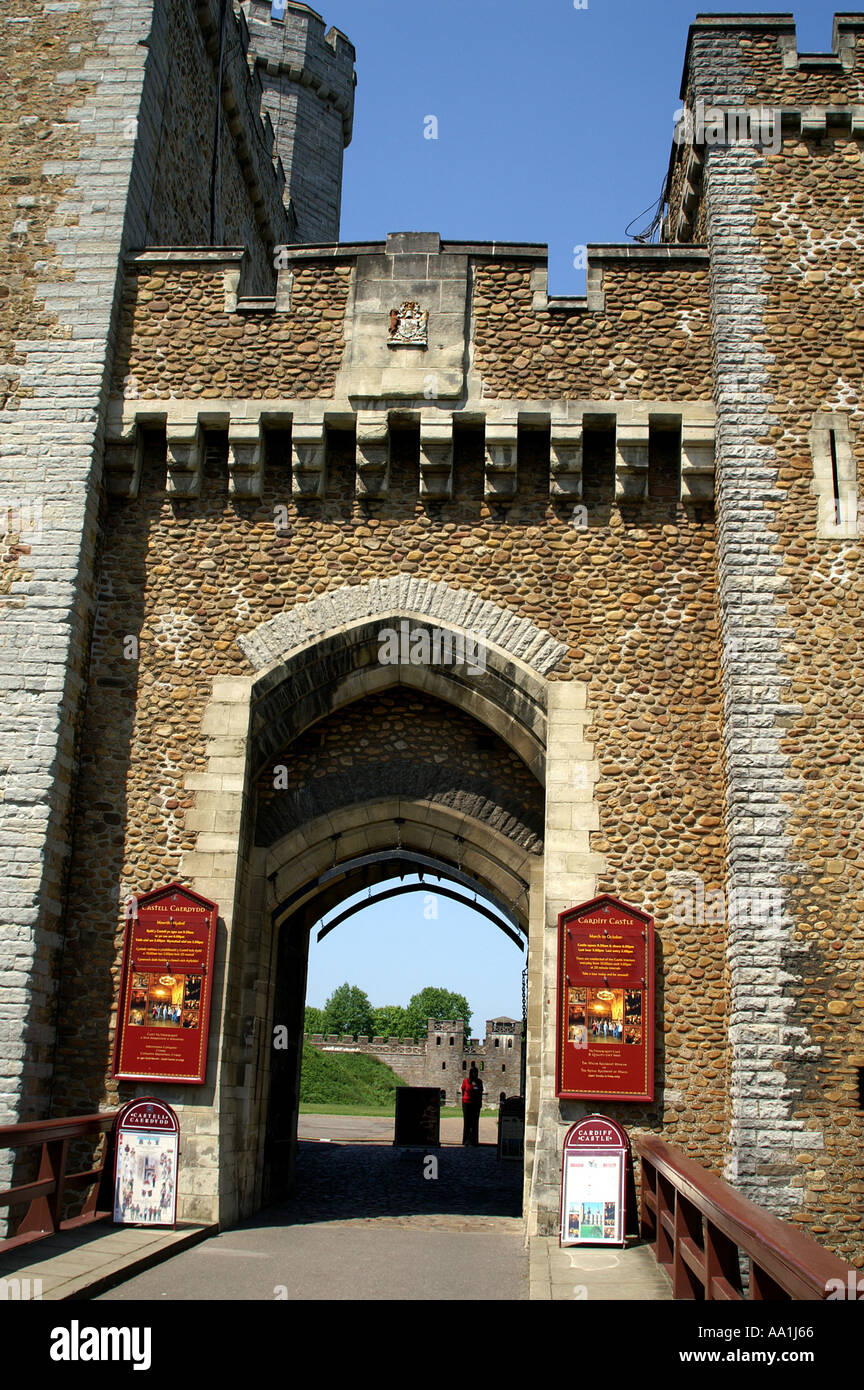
397	837
331	761
379	878
367	770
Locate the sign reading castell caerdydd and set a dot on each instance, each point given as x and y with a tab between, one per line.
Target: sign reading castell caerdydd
162	1020
594	1183
605	1028
145	1164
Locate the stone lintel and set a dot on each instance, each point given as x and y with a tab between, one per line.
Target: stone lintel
483	250
188	255
654	254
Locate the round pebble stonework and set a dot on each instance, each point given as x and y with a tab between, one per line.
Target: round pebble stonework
632	600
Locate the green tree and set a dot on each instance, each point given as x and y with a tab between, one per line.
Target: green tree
391	1021
313	1020
436	1003
348	1010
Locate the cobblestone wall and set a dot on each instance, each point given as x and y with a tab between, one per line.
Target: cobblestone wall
632	596
650	342
400	742
177	340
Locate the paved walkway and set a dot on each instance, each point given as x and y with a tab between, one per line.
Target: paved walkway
577	1273
358	1129
368	1222
83	1262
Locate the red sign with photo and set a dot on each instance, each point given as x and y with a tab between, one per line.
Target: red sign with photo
165	987
605	1002
595	1176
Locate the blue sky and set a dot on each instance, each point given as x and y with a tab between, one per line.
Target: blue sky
394	950
554	123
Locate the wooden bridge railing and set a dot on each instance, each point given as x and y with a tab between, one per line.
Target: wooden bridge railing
45	1196
697	1225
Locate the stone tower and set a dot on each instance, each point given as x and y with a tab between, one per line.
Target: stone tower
90	174
769	177
308	82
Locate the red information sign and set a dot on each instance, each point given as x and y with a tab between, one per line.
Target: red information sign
605	1002
165	987
594	1183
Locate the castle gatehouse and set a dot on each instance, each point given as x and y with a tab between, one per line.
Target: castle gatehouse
238	451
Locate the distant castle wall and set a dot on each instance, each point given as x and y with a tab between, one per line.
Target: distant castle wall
444	1056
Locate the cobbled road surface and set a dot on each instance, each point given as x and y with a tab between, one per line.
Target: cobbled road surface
365	1222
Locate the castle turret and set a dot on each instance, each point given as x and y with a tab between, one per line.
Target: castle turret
308	82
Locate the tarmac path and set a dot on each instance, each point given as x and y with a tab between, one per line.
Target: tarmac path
367	1222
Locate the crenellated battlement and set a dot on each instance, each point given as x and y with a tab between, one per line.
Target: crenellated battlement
745	57
746	84
299	46
443	1056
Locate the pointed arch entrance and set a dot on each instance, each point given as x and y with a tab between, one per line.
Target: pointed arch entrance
264	852
444	843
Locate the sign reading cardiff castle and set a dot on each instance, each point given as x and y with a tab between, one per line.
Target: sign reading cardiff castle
165	987
605	1002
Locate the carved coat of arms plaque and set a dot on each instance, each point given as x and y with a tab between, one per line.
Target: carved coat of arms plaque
409	325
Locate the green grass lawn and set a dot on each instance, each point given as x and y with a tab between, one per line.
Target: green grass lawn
330	1080
352	1083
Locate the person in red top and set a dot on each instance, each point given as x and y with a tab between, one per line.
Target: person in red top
472	1101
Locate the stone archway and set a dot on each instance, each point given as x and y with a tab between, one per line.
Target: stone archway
307	876
314	662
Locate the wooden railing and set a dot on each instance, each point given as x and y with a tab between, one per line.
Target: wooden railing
46	1195
699	1227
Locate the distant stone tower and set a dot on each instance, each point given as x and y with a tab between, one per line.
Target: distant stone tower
308	83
